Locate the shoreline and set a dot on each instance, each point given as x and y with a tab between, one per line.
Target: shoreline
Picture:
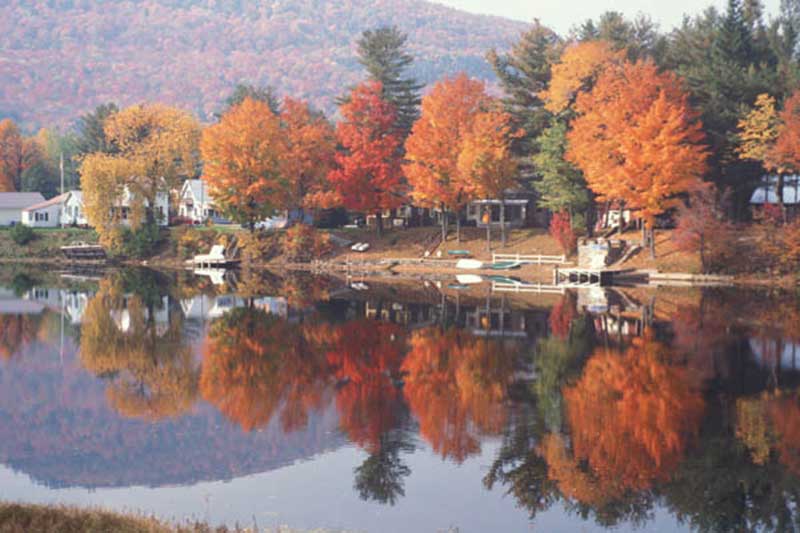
405	269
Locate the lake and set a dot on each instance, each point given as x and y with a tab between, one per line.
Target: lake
400	405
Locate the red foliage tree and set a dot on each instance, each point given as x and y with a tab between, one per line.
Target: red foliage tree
368	176
561	230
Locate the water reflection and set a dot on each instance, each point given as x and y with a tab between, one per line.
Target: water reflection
609	405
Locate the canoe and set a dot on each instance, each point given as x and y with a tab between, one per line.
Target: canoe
460	253
505	265
469	264
469	279
458	286
507	280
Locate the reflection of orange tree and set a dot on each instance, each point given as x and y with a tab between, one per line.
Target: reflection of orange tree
151	367
366	355
631	417
255	363
16	331
456	386
562	315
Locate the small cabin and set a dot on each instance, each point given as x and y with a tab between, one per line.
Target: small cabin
767	193
45	214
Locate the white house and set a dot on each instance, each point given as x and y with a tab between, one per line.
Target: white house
12	204
160	210
72	213
45	214
195	203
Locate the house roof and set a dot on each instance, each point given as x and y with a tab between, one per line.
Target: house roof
766	193
19	200
198	189
76	194
60	199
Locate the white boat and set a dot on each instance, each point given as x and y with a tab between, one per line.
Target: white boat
469	279
360	247
469	264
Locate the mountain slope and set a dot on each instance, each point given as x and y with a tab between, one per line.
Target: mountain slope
60	58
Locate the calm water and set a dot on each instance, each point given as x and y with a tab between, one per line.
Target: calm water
400	407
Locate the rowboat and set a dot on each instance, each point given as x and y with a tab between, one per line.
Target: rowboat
469	279
469	264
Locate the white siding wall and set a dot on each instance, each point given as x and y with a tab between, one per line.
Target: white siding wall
10	216
73	213
46	217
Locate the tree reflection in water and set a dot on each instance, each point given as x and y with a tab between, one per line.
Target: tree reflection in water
133	337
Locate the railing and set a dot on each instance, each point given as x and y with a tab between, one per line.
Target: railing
531	259
539	288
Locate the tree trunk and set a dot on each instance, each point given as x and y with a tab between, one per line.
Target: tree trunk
503	221
779	194
644	233
458	227
652	243
379	222
621	220
488	230
703	253
444	224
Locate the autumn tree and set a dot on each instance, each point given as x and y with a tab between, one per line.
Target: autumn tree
436	142
783	157
16	155
311	145
576	71
382	52
702	227
155	147
486	162
244	156
368	175
637	141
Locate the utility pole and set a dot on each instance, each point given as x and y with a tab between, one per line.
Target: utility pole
61	168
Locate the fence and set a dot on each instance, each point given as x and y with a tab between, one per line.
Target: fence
539	288
531	259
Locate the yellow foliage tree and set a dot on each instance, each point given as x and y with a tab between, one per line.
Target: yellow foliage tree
155	147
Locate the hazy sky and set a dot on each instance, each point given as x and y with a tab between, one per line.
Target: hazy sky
561	15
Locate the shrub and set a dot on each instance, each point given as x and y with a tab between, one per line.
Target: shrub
22	235
191	241
258	246
140	243
561	230
303	243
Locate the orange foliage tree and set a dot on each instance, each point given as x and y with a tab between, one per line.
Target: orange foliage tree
244	156
311	145
15	332
637	140
631	417
436	143
16	154
456	386
368	176
576	71
486	162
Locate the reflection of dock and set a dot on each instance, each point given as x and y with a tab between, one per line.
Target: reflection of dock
581	277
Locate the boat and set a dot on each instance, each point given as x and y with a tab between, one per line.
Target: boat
507	280
84	251
460	253
360	247
469	264
505	265
457	286
469	279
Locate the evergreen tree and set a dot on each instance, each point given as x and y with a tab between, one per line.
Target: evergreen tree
382	53
524	73
639	38
264	94
562	187
91	135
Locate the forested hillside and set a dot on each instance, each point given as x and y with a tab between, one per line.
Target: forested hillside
61	58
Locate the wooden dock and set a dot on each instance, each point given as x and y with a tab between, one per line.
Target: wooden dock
581	277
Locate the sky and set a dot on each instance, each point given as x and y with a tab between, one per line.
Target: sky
561	15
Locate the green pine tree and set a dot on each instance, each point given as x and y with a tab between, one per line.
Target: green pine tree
383	54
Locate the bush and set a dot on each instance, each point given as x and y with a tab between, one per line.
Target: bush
140	243
22	235
258	246
561	230
303	243
191	241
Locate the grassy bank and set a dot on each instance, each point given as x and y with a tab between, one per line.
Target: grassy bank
19	518
45	245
